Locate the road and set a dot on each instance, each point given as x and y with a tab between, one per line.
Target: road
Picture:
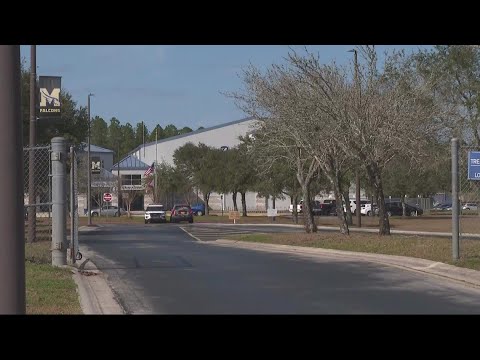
160	269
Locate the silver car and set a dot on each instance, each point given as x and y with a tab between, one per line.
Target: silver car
470	206
107	210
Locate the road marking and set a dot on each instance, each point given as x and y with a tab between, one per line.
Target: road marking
193	236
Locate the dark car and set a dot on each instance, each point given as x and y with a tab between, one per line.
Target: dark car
324	209
396	209
181	213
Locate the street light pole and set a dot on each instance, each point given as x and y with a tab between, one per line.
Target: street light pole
358	207
89	174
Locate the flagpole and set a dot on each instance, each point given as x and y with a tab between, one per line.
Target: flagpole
143	131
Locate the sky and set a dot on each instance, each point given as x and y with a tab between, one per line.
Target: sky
174	84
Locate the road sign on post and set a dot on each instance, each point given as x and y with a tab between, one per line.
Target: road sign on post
107	197
234	215
474	165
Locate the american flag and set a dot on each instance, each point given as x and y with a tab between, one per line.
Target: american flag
149	170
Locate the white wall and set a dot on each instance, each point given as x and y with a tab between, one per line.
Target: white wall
223	136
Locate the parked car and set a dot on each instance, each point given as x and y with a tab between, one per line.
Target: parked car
442	207
365	206
396	209
182	212
470	206
155	213
107	210
198	209
317	208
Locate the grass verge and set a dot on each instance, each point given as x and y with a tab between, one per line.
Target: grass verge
50	290
430	248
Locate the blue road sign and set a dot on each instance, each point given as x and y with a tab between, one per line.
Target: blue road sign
474	165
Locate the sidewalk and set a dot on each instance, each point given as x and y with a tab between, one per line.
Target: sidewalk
96	296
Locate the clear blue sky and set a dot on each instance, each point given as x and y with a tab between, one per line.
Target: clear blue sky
177	85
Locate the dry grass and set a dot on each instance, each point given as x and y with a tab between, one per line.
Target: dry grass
49	290
431	248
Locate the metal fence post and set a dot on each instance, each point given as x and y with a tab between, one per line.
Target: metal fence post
59	200
71	255
12	232
455	202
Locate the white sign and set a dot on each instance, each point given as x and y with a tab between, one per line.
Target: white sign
132	187
271	212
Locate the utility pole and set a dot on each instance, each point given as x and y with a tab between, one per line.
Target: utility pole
89	161
118	177
12	239
32	210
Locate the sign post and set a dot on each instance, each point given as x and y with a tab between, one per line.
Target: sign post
234	215
272	213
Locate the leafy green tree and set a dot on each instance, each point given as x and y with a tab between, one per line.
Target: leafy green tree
128	140
170	130
99	132
140	131
185	130
157	131
114	134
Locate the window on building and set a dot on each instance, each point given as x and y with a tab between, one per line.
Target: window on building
132	179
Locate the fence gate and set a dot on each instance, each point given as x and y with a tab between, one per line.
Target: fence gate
469	189
42	205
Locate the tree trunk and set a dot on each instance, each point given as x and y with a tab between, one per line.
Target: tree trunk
342	220
348	209
383	223
404	208
309	221
234	198
294	210
244	204
266	202
273	206
206	197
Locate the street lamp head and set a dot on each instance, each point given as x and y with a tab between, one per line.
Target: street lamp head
91	94
352	50
224	148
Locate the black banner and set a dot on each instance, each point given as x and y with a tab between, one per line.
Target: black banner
50	96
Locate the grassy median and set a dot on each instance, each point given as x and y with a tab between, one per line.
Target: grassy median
50	290
431	248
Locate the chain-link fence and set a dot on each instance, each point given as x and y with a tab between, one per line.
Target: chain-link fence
469	189
40	209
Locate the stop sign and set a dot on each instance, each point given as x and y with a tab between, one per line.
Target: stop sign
107	197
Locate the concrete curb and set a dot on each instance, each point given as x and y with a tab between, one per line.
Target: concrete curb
89	228
465	276
96	296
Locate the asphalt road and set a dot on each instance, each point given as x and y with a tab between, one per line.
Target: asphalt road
160	269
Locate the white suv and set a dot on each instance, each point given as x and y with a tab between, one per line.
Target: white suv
155	213
365	207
